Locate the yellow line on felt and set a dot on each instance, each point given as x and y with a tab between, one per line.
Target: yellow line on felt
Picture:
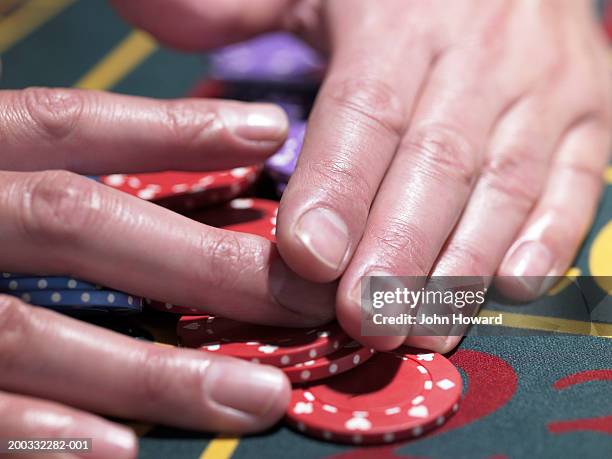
27	18
552	324
118	63
608	175
570	276
220	448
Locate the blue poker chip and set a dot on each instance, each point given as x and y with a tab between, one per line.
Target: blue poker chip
25	284
73	301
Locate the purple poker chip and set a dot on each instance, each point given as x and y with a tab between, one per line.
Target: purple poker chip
295	111
280	188
271	58
281	165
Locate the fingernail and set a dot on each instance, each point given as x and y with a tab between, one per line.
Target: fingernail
108	439
119	442
313	302
356	298
356	294
380	281
243	386
530	263
256	122
325	235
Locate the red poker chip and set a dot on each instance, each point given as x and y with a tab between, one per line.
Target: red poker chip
391	397
259	343
348	357
245	215
185	190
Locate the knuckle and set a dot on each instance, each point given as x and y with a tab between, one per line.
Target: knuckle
591	173
158	378
516	174
405	243
54	112
467	260
59	206
223	259
188	127
554	68
370	101
444	153
15	333
344	183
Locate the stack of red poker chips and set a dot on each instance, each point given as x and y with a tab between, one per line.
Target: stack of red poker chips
185	191
394	396
304	355
343	392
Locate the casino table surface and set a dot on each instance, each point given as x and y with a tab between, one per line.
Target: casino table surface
546	394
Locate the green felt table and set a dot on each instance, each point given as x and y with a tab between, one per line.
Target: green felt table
546	395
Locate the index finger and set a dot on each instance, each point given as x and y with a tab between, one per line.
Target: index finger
59	223
352	137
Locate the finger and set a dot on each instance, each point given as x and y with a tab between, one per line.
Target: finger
511	180
197	25
28	418
51	356
94	232
513	175
549	240
352	135
430	179
44	128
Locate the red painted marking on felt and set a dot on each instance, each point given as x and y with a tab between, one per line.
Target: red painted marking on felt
583	377
492	383
603	425
600	424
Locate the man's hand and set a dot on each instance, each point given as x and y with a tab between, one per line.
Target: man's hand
57	222
448	138
94	232
48	361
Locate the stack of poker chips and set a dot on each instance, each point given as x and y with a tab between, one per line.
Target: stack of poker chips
343	392
270	66
277	68
281	165
68	295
